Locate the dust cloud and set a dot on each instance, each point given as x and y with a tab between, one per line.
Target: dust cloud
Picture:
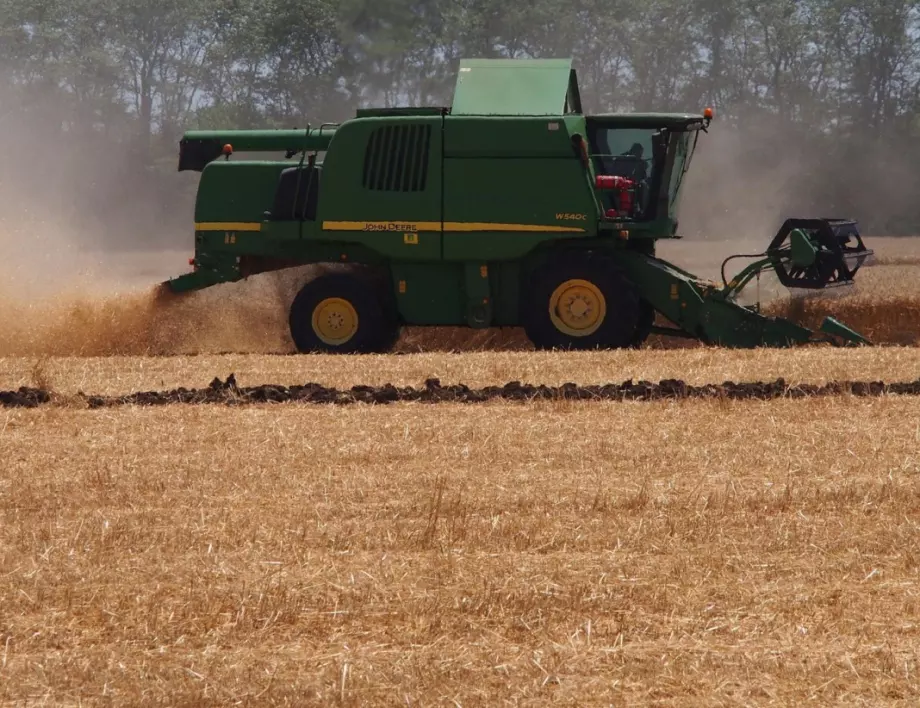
148	322
87	234
60	298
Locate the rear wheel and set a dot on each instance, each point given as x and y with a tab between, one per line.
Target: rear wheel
341	313
582	301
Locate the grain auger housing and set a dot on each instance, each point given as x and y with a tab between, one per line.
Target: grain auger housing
509	208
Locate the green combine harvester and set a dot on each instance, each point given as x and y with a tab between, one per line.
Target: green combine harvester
509	208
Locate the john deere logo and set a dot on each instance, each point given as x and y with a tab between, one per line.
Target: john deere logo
565	216
388	226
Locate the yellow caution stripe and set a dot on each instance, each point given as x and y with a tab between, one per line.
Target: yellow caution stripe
453	226
477	226
228	226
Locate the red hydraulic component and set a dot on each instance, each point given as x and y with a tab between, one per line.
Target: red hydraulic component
613	182
623	187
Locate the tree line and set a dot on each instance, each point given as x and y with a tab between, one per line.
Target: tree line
816	100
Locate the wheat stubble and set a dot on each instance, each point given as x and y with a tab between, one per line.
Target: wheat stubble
687	552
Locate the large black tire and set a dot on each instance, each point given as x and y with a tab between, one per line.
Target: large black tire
581	301
343	314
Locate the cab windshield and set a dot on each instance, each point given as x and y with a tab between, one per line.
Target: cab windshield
630	153
641	154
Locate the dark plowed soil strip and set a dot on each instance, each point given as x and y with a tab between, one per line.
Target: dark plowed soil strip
228	393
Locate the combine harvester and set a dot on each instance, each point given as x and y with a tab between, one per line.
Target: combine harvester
510	208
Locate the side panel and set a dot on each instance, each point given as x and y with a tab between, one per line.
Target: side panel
503	136
236	192
511	184
430	293
499	209
436	293
382	187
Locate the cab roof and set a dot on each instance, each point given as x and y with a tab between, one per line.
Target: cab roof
516	87
649	120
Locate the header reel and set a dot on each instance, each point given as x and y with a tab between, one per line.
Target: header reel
809	254
817	253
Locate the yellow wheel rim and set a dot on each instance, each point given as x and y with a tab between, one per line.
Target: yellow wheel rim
577	308
335	321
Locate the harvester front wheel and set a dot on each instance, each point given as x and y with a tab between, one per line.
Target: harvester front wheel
343	314
581	302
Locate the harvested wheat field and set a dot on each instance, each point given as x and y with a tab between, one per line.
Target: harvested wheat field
677	551
118	376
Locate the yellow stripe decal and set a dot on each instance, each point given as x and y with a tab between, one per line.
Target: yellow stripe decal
229	226
474	226
416	226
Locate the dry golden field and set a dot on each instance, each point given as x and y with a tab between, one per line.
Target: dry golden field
683	552
672	553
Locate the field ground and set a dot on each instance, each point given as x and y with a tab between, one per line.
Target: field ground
123	375
679	553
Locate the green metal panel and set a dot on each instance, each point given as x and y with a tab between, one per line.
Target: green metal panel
441	293
503	208
504	136
381	186
430	293
515	87
511	184
236	191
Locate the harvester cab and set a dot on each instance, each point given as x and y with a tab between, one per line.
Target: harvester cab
511	207
638	164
